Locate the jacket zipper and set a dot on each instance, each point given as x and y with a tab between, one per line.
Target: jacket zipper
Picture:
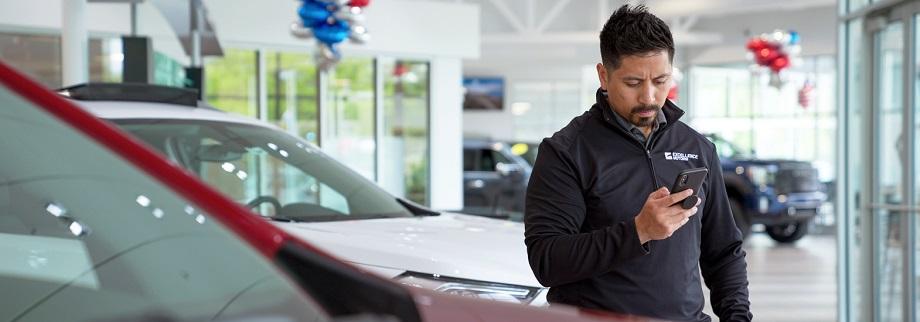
651	166
647	148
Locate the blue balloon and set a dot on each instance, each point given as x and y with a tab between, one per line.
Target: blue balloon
793	37
332	34
313	13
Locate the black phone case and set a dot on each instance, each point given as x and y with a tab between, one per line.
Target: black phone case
689	179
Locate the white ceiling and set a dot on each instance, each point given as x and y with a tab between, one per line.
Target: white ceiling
510	22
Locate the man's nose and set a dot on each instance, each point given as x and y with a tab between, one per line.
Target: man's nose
647	96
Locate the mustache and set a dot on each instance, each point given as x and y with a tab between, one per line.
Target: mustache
644	108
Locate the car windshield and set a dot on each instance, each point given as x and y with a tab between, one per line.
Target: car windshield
86	236
276	174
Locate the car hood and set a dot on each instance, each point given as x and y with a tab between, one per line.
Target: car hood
453	245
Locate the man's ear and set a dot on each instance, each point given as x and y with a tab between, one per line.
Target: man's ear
602	75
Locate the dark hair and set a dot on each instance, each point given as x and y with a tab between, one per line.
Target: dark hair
633	31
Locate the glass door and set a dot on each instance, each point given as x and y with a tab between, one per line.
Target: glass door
887	208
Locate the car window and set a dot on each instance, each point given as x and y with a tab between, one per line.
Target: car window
85	236
275	173
489	159
469	160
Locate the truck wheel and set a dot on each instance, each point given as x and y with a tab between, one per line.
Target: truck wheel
741	218
788	233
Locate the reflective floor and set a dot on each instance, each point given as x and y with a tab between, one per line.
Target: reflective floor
792	283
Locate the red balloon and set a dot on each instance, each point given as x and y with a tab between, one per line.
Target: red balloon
765	56
779	63
359	3
756	44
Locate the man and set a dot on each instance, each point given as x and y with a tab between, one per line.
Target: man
601	227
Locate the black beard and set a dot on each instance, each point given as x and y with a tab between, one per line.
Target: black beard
639	121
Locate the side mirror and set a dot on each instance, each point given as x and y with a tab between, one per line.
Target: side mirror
508	169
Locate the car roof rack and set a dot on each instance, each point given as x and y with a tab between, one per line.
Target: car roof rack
135	92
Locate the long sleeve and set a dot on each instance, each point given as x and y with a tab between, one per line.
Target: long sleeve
554	211
722	260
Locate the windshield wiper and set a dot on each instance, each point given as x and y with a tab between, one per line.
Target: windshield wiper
417	209
282	218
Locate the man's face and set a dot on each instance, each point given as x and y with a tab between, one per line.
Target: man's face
638	88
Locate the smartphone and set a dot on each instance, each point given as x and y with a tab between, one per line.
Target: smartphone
689	179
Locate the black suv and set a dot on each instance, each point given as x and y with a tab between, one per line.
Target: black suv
494	179
783	195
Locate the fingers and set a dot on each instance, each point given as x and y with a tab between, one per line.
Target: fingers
660	193
678	196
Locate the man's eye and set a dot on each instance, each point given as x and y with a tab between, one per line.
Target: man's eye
632	84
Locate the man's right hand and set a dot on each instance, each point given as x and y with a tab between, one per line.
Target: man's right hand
661	216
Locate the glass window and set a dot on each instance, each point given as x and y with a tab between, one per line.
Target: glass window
39	56
272	172
404	160
94	239
231	82
742	108
889	152
854	5
349	118
292	101
540	108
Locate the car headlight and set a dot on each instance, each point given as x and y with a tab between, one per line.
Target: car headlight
464	287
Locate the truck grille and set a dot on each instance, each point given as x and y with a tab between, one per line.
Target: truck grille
792	178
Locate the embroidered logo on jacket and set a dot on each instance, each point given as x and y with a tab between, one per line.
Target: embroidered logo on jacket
679	156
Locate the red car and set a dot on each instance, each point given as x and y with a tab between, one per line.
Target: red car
96	227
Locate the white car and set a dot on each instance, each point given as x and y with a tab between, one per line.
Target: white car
303	191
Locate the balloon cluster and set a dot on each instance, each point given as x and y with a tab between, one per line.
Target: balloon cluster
331	22
775	51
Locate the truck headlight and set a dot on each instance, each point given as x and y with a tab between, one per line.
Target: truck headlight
464	287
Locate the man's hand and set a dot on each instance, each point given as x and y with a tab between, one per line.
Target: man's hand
660	216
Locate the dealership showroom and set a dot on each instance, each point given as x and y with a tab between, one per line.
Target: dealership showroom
460	160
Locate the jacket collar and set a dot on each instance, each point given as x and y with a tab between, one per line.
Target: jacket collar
671	112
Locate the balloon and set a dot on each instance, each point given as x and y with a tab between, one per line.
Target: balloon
793	37
349	15
331	34
359	3
756	44
359	35
779	63
298	30
313	13
327	57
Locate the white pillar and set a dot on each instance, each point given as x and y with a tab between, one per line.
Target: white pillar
74	40
446	134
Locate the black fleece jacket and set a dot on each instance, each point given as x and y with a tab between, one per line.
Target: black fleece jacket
589	182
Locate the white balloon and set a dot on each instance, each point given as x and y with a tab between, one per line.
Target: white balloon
778	35
347	15
359	37
299	31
